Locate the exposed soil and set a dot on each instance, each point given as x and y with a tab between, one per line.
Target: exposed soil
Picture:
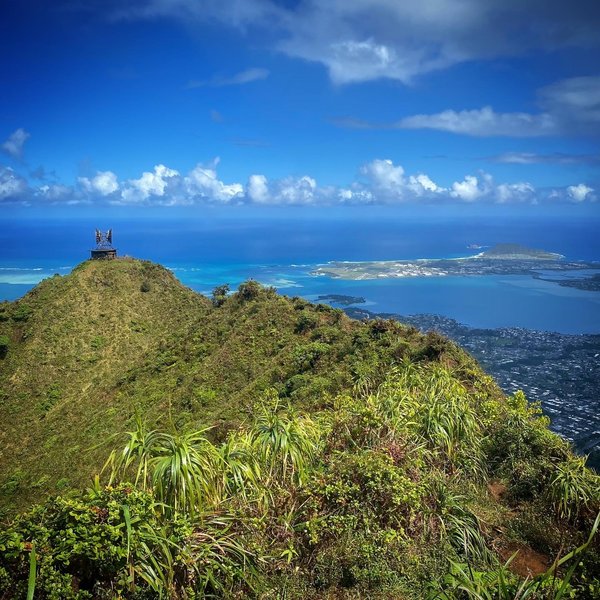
528	562
497	489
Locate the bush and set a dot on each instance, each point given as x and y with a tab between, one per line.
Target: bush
305	356
306	322
22	313
361	489
145	287
249	290
219	295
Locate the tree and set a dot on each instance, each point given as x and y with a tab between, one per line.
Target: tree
219	294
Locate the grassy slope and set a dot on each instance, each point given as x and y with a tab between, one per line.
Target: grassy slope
95	348
59	377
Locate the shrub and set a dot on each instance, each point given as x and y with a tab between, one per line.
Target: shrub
361	489
145	287
306	322
249	290
305	356
573	488
219	295
22	312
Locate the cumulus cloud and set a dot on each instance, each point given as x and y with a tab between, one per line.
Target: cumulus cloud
289	190
15	143
202	182
515	192
58	193
258	189
388	182
103	183
241	78
471	188
149	184
581	192
379	181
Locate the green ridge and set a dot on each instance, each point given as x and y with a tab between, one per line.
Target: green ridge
274	449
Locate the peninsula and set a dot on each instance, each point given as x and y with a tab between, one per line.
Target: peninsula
503	259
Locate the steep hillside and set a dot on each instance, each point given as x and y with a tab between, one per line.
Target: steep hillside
70	340
88	351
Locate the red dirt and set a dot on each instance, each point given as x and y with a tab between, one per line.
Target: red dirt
528	562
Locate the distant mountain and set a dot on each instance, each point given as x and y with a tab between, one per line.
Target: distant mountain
518	252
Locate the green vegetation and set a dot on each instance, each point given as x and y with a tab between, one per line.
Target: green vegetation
263	447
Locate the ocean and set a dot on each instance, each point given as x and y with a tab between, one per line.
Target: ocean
282	248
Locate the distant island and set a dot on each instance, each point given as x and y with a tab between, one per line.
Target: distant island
502	259
341	299
518	252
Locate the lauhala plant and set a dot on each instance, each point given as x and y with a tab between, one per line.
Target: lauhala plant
181	468
138	451
186	471
573	488
286	444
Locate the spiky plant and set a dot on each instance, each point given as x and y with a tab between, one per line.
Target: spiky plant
500	584
573	488
241	469
137	453
186	470
286	443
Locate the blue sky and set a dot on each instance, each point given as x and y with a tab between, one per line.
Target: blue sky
167	103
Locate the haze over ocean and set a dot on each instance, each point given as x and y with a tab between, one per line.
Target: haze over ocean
280	249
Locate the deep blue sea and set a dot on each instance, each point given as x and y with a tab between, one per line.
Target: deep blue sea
205	250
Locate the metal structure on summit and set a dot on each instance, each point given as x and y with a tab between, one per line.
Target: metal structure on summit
104	249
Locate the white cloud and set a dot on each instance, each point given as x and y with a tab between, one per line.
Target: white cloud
149	184
484	122
471	188
104	183
241	78
362	40
257	189
388	182
380	182
15	143
12	186
531	158
56	193
202	182
515	192
581	192
570	106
